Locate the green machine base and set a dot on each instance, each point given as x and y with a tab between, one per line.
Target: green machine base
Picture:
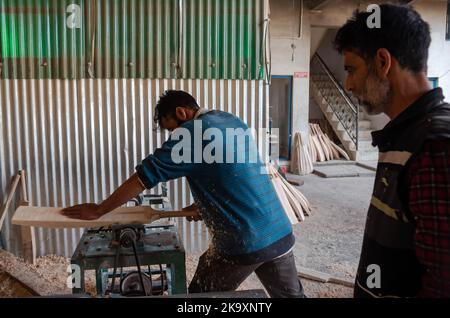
131	260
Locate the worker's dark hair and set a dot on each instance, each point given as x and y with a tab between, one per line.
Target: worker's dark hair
403	33
169	101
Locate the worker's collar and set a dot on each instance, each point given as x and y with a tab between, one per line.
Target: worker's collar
201	112
422	106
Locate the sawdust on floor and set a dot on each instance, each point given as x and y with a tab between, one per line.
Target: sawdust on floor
10	287
53	269
49	275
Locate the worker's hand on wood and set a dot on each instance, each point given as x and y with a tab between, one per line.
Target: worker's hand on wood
193	207
87	211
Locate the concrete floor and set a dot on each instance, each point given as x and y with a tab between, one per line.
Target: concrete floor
330	239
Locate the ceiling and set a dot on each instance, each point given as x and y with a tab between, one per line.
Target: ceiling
319	4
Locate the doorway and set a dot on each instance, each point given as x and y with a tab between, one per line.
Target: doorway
280	113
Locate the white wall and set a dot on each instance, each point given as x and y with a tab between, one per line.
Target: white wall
287	61
434	12
314	110
332	58
317	36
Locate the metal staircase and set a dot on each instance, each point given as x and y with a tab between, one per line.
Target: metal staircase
342	112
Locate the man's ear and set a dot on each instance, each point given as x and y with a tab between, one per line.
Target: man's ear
383	62
181	114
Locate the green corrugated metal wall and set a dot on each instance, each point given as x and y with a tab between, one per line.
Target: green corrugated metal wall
222	39
35	42
190	39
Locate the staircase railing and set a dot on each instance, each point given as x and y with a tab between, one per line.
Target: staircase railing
345	109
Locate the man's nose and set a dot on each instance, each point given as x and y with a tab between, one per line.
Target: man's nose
348	85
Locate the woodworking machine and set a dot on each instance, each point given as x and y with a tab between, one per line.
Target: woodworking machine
134	260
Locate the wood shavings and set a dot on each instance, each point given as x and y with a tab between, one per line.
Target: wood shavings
47	277
10	287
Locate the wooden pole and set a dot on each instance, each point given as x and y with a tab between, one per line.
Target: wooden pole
9	198
27	232
28	244
24	192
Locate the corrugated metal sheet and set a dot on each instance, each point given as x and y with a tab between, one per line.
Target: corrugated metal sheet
134	38
80	139
35	41
190	39
222	39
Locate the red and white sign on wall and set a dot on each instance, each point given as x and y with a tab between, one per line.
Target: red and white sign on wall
301	74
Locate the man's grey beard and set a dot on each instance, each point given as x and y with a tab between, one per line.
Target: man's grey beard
377	95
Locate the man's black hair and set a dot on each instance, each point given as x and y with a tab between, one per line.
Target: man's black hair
169	101
403	33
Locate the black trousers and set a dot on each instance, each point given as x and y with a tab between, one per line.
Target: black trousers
217	274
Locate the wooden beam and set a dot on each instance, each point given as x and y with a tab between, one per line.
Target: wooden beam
28	244
50	217
24	192
318	4
324	277
26	232
9	198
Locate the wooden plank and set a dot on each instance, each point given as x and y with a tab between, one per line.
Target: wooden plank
296	207
295	157
277	184
301	161
9	198
28	244
325	145
340	150
314	275
306	206
342	281
312	149
293	201
51	217
317	144
324	277
284	200
333	150
27	234
24	193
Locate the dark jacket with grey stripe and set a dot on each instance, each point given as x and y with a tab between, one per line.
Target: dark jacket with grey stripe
388	246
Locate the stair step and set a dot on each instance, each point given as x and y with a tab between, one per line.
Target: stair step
365	134
318	93
367	155
364	138
365	124
365	145
348	144
321	88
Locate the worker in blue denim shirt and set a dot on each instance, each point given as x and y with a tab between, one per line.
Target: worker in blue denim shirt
233	195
